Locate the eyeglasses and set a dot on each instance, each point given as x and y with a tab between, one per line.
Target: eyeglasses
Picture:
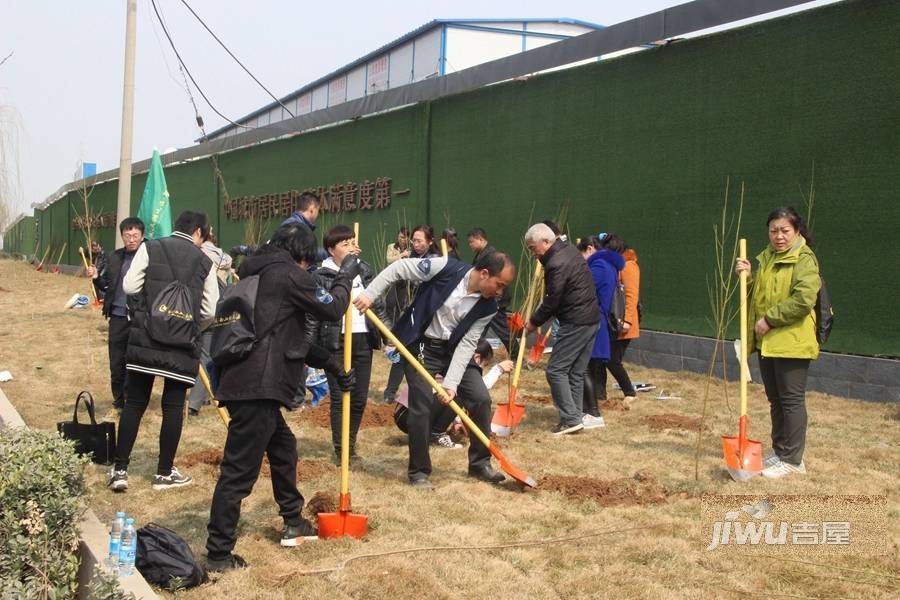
132	236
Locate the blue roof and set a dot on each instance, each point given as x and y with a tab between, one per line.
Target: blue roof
390	46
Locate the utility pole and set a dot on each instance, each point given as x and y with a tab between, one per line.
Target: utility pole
123	201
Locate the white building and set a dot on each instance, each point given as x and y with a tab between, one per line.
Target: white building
437	48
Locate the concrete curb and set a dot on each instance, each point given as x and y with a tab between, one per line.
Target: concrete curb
94	541
860	377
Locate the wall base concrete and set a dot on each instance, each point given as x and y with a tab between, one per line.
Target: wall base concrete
862	377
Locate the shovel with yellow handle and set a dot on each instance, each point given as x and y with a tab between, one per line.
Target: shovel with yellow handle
344	522
743	457
510	413
517	474
223	412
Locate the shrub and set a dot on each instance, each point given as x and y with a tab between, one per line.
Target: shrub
41	489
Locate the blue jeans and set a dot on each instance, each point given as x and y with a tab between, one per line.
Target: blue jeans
565	371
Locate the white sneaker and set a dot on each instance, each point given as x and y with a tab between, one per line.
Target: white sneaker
781	468
444	441
771	459
592	422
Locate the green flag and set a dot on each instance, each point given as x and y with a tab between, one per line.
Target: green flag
155	211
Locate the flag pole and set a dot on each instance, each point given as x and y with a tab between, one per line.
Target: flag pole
123	200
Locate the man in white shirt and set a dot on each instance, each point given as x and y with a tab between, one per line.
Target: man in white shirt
453	305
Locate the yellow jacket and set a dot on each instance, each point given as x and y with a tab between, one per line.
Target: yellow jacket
784	291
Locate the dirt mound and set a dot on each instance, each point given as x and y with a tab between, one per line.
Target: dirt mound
321	502
614	404
376	415
671	421
209	457
642	488
307	470
533	399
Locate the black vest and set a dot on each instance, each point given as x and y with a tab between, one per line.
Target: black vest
170	258
430	296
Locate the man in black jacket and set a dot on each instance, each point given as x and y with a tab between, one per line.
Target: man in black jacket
571	297
156	265
109	281
255	389
340	242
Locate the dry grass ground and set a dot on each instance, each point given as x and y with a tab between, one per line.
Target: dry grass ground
628	489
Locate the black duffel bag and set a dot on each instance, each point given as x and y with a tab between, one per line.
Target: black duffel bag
96	439
163	556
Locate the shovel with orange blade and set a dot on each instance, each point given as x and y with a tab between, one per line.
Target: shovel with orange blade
743	457
507	467
344	522
510	413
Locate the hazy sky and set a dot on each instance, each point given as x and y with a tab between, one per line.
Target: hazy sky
61	90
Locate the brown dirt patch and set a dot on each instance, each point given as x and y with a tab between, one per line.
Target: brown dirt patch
209	457
321	502
306	469
642	488
376	415
534	399
671	421
614	404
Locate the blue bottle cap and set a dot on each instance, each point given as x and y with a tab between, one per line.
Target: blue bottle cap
129	521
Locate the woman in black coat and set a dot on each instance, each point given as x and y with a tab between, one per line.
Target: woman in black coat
255	389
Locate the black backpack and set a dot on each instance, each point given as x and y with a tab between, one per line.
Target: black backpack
234	329
824	313
615	318
170	317
163	555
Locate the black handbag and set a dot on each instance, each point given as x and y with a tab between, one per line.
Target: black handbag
96	439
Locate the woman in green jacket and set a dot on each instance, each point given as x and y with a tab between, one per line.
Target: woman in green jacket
783	330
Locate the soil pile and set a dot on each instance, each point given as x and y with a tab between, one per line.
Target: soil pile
642	488
671	421
614	404
376	415
209	457
533	399
306	469
321	502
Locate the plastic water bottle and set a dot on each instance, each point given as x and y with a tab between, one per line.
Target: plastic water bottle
394	356
115	538
127	548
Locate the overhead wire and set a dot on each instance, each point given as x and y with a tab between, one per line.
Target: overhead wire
188	71
198	117
231	54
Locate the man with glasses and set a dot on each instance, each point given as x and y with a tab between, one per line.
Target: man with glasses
109	281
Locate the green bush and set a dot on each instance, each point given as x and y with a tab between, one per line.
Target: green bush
41	489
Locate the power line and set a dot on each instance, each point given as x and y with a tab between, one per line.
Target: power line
231	54
184	66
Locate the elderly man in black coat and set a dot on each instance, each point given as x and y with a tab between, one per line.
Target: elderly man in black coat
255	389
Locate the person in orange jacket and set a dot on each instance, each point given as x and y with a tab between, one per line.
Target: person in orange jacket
630	277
